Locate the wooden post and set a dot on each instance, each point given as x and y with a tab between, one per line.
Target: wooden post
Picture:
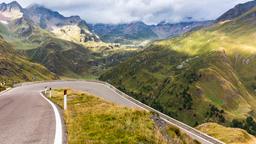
65	99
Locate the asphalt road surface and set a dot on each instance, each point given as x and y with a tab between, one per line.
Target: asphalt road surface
26	117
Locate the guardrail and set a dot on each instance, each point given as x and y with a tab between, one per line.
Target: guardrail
179	124
192	131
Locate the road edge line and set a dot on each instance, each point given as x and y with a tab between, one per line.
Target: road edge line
58	138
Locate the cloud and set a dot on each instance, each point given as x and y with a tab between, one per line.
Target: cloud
149	11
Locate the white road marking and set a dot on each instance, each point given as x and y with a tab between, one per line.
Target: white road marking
58	128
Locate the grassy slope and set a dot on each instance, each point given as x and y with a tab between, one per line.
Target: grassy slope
90	119
203	76
61	57
227	135
16	68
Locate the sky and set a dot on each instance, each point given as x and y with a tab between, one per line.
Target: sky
148	11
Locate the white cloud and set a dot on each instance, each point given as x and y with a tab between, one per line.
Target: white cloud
150	11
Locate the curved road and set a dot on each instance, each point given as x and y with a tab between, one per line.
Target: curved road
28	118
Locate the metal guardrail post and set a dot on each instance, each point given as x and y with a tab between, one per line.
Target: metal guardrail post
45	91
65	100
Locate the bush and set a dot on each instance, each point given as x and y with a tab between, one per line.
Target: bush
248	124
236	124
216	114
157	105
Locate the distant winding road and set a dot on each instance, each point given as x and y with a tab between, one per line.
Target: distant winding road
26	117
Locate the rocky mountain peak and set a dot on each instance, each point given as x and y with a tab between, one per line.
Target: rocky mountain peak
10	6
75	18
137	23
48	18
163	23
15	4
41	11
10	11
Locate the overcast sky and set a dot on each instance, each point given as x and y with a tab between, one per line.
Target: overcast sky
149	11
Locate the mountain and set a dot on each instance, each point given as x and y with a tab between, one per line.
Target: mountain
27	19
237	11
138	31
123	33
71	28
167	30
47	37
15	68
204	75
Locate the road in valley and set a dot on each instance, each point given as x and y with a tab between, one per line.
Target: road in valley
26	117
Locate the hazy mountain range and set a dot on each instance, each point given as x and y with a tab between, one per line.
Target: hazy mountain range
125	33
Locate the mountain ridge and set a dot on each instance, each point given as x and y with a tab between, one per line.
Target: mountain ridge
121	33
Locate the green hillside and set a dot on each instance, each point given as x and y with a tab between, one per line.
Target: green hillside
207	75
61	57
16	68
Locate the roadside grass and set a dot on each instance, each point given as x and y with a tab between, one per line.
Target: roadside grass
226	134
92	120
2	88
178	137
